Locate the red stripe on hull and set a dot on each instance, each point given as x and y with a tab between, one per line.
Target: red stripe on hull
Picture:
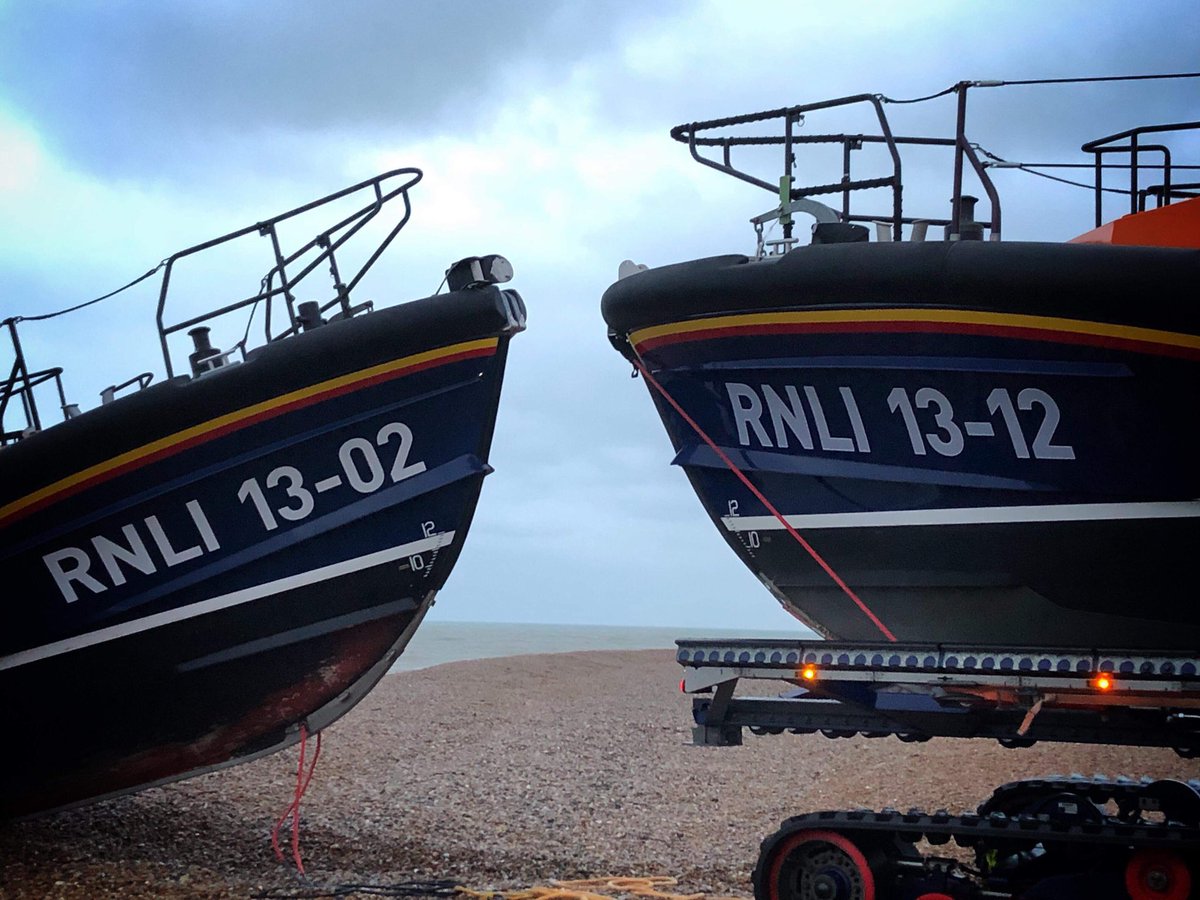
1004	331
232	427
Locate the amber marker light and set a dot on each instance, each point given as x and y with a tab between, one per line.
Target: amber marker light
809	672
1103	682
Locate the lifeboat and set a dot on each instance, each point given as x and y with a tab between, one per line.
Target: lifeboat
909	428
200	570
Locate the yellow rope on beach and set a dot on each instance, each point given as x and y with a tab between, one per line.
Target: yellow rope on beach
592	888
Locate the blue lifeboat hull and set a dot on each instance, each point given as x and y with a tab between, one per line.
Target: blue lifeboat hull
987	442
198	569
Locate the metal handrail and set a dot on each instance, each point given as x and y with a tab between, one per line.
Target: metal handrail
327	241
792	116
279	282
142	380
698	137
20	384
1133	148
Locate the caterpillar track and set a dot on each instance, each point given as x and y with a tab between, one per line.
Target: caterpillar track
1054	837
1060	837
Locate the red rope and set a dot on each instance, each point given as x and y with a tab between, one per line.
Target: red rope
641	367
302	781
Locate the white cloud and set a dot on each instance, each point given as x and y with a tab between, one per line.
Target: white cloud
23	159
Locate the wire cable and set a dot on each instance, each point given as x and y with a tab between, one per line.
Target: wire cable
1091	79
942	93
1091	187
1030	168
63	312
1095	79
724	457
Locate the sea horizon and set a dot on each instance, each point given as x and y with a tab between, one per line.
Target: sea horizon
437	642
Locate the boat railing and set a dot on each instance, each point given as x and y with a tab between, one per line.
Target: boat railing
290	269
142	381
19	412
715	143
18	390
1128	144
717	152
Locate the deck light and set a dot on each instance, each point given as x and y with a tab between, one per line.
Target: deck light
809	672
1103	682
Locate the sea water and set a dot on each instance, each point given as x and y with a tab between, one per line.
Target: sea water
442	642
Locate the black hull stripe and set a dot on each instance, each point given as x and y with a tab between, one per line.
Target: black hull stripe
298	635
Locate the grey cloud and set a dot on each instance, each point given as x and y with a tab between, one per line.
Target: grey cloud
920	53
918	57
126	88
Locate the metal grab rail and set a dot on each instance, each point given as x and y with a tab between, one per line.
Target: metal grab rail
278	282
1123	143
109	394
20	384
327	242
793	116
1164	192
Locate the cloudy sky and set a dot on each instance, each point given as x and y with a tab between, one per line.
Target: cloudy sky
129	130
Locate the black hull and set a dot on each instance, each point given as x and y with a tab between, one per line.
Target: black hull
988	443
1111	584
190	702
207	565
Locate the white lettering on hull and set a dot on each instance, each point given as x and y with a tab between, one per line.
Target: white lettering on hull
789	418
773	417
225	601
71	567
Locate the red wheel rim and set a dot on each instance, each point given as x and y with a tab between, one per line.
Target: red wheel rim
1157	875
793	841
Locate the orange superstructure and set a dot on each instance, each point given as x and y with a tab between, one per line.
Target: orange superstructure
1177	225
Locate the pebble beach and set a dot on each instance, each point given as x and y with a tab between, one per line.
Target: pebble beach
508	773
